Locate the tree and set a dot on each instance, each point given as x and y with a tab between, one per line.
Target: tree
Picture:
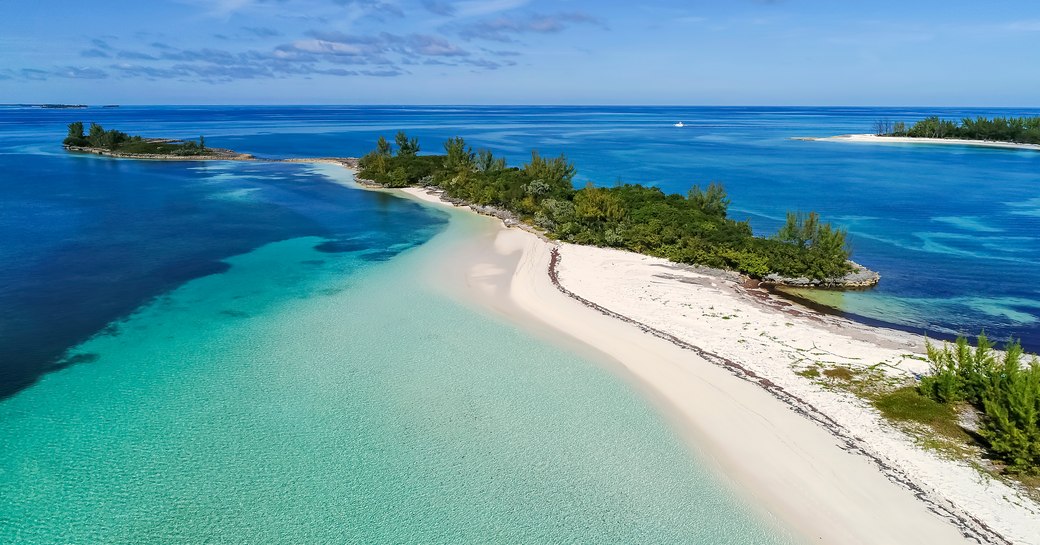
459	156
202	143
882	127
800	228
486	162
597	204
406	147
557	172
76	129
712	201
97	132
75	136
383	147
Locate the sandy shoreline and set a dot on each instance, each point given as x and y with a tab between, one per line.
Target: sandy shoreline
721	364
874	139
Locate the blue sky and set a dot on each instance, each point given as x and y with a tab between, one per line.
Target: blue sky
740	52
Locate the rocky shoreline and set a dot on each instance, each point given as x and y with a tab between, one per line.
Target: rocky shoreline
214	154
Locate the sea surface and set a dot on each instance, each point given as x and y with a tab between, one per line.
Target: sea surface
249	353
240	352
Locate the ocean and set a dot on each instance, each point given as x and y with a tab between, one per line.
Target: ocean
238	352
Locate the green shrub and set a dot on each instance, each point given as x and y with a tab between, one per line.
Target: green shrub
1004	389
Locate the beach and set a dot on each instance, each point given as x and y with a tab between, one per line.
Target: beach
875	139
722	364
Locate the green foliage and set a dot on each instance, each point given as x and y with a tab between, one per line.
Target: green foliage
557	172
76	136
906	404
383	147
690	229
113	140
406	147
76	129
459	158
824	250
999	129
488	164
1006	390
711	201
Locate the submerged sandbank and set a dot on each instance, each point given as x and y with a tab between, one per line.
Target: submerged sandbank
722	363
875	139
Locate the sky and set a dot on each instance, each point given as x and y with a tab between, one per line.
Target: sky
650	52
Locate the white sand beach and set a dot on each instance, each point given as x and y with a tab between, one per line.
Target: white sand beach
721	363
874	139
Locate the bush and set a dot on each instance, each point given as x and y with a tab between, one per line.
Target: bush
1003	388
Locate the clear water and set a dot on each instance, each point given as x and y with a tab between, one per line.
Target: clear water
246	353
236	352
302	396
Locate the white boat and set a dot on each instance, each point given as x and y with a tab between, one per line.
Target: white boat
679	124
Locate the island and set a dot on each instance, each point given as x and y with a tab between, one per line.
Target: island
114	143
691	229
1020	133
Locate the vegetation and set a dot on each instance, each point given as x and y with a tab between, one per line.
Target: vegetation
1022	130
693	228
1003	388
113	140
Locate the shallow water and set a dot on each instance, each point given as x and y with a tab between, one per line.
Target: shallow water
311	397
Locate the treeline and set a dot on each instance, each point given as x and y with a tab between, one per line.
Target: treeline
113	140
692	228
1004	389
1021	130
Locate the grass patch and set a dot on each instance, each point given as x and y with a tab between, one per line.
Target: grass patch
810	372
840	373
908	405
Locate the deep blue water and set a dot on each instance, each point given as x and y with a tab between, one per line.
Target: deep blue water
85	240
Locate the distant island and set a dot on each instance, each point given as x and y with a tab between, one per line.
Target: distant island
691	229
1015	130
1020	133
116	143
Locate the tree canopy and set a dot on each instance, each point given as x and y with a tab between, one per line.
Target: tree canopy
1023	130
686	229
113	140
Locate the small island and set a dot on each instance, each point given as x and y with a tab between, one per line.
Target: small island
114	143
1019	133
690	229
1012	130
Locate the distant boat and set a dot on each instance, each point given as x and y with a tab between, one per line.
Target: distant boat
679	124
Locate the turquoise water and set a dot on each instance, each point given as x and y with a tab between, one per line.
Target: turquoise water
302	396
233	352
